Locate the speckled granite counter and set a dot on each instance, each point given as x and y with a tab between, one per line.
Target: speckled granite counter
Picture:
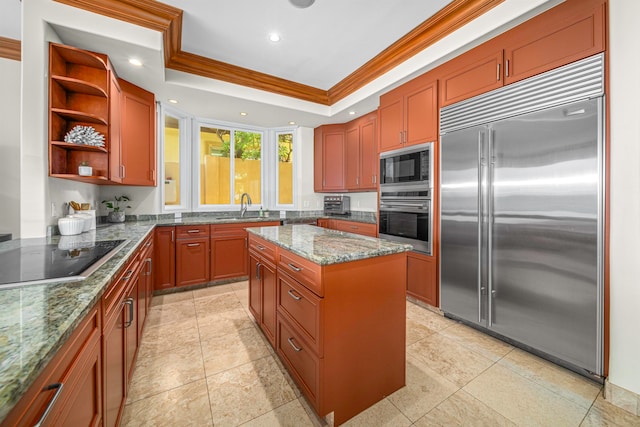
325	247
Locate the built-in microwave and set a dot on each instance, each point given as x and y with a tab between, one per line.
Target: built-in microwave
407	165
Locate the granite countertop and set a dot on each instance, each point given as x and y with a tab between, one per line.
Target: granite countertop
36	320
325	247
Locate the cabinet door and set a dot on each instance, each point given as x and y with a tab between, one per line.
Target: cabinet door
131	329
115	117
564	34
475	72
229	256
269	301
165	255
114	366
192	261
391	125
137	135
333	152
356	227
422	280
368	156
255	288
421	114
352	158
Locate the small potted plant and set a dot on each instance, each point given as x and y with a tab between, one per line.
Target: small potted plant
117	210
84	169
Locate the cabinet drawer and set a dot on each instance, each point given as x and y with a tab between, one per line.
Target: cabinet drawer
304	309
302	270
356	227
188	231
117	288
303	365
263	248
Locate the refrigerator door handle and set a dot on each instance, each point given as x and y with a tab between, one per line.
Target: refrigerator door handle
492	161
482	289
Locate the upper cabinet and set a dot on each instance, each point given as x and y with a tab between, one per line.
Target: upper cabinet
109	123
346	156
78	99
566	33
408	115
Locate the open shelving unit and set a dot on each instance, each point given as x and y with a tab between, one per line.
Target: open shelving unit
78	95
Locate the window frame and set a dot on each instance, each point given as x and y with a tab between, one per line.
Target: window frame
274	133
184	126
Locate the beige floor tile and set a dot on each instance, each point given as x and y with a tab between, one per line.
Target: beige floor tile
417	331
248	391
382	414
523	401
462	409
214	324
453	361
172	369
231	350
162	338
240	286
290	414
604	414
428	318
187	405
178	311
425	389
481	343
213	290
206	306
243	297
567	384
171	298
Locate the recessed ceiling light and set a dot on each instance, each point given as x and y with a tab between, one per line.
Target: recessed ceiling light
351	113
136	62
292	123
243	113
274	37
173	101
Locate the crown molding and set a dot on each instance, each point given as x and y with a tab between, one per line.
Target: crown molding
168	20
10	49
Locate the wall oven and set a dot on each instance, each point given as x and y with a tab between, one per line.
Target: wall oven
406	214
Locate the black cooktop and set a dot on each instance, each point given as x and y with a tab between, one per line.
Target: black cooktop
46	263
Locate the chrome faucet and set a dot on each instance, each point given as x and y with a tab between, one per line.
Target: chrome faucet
243	205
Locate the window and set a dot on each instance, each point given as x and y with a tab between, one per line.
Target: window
174	130
284	183
229	164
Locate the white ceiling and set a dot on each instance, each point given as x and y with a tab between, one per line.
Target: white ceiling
320	46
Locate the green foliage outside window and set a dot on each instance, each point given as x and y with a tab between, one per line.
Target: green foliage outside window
247	146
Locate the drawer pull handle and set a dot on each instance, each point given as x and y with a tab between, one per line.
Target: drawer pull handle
294	268
294	296
290	339
193	231
191	245
58	388
129	302
128	276
262	248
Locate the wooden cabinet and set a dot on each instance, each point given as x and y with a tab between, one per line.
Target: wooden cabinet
70	384
134	152
164	268
329	158
78	96
325	318
145	285
323	222
262	285
356	227
192	254
408	115
566	33
422	278
361	157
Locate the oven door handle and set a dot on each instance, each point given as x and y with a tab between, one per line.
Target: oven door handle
406	207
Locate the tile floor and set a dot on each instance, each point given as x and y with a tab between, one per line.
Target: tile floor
203	362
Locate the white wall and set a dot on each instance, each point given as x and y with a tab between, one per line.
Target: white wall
10	147
624	93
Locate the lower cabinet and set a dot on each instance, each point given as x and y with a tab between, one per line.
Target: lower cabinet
262	285
192	261
363	228
164	270
68	392
422	278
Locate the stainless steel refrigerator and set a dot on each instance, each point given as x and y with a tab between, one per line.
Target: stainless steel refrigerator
521	249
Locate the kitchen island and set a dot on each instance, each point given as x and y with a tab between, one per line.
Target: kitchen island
332	304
